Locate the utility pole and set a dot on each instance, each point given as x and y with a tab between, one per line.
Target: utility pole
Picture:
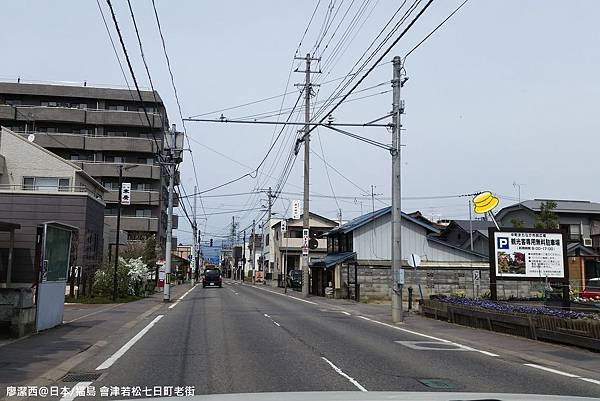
470	225
114	297
397	110
243	258
253	250
195	243
168	245
306	138
269	195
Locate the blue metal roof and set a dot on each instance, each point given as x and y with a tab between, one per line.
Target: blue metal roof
333	259
366	218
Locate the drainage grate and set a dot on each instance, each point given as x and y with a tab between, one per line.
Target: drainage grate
81	377
438	383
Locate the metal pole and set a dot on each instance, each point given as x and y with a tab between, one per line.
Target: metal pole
268	232
168	246
397	313
470	225
11	246
117	236
195	243
306	208
243	258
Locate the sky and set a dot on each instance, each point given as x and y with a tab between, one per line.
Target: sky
504	93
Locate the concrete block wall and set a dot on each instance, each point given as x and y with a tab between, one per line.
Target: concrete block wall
17	311
375	283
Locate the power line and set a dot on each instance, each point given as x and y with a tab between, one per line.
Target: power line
164	47
435	29
375	64
137	88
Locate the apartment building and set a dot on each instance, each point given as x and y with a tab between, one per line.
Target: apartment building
101	129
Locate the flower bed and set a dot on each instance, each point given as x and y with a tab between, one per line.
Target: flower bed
516	308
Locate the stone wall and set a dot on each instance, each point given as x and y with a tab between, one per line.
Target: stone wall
375	283
17	312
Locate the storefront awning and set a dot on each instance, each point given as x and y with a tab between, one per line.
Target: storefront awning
332	259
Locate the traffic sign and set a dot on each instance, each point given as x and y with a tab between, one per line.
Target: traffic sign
295	209
283	226
414	260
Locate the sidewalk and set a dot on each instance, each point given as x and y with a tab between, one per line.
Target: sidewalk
25	361
505	345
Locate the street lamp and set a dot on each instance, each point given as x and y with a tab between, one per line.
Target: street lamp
114	295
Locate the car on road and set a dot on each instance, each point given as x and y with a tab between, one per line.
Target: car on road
212	278
294	279
592	289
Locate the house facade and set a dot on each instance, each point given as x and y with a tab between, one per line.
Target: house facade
36	187
285	249
358	259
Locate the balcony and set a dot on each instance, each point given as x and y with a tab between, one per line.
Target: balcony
114	117
137	197
129	223
295	244
101	169
93	143
42	113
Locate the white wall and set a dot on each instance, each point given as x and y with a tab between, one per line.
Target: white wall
373	242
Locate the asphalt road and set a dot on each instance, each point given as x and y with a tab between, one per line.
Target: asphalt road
241	338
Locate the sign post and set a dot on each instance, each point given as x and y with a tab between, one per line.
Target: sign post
522	254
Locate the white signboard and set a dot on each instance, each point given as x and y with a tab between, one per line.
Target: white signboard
529	254
305	241
295	209
126	193
283	226
476	277
414	260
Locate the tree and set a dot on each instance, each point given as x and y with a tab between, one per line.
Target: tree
149	254
546	217
517	223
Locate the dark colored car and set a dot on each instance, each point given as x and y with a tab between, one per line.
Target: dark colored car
294	279
212	278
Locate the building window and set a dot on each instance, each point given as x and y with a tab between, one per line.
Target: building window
143	213
46	183
267	239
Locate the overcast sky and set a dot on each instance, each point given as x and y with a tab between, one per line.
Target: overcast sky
506	91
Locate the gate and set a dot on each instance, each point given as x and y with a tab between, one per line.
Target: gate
53	256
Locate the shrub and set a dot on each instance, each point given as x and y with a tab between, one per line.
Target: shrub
132	276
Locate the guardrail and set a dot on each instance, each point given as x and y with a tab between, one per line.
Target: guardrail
584	333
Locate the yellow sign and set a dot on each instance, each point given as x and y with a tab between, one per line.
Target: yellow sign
484	202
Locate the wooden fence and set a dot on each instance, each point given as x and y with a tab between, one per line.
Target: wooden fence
583	333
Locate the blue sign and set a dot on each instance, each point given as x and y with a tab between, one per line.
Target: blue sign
503	242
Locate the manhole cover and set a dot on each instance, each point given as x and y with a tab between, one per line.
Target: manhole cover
81	377
438	383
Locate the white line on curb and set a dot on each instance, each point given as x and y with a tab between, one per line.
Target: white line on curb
114	357
341	373
346	313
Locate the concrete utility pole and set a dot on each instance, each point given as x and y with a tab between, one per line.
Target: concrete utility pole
397	110
269	195
195	243
117	236
243	258
168	245
306	138
253	250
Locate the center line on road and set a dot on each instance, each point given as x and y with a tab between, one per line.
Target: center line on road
114	357
346	313
73	393
558	372
341	373
590	380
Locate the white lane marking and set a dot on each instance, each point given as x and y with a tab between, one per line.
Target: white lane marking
113	358
267	315
590	380
73	393
174	305
558	372
416	333
341	373
276	324
285	295
187	292
93	313
346	313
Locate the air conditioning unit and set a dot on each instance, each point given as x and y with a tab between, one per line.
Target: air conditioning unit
587	242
